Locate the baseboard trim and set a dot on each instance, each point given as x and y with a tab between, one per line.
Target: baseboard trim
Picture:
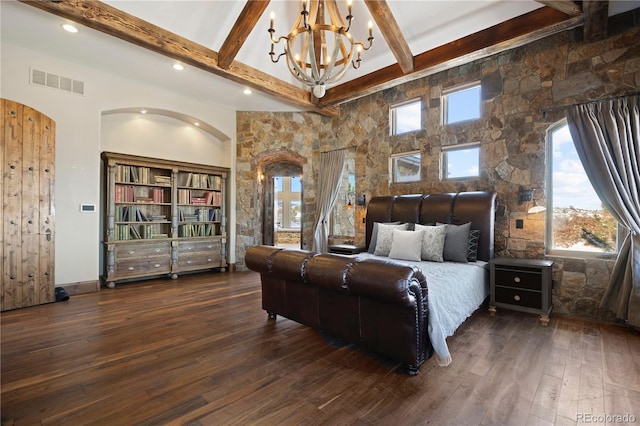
81	287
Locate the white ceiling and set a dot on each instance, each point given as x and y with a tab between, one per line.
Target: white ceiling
425	24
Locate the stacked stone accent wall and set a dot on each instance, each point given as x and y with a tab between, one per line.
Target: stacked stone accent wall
516	86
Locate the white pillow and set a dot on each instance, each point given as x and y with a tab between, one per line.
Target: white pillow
406	245
432	242
385	236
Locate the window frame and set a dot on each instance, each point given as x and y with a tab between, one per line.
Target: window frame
455	89
393	116
548	231
392	165
286	196
460	147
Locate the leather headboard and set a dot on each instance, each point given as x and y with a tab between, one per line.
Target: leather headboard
456	208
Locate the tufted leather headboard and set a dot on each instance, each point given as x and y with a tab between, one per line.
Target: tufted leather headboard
456	208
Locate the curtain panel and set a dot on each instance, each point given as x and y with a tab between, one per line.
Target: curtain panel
329	180
607	137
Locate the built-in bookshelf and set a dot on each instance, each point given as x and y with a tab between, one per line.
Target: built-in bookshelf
162	217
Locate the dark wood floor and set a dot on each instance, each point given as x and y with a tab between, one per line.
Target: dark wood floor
200	351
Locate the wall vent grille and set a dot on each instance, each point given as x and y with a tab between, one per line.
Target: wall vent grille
54	81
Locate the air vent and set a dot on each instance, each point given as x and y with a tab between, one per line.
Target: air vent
54	81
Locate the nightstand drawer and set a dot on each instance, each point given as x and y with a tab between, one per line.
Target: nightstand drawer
518	297
518	278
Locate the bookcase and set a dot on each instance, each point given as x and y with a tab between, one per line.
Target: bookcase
162	217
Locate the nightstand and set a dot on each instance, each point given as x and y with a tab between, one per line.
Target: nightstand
522	285
348	249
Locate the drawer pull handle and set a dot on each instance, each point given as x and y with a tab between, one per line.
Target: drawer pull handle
157	250
157	265
131	252
209	260
188	262
516	298
131	268
516	279
209	246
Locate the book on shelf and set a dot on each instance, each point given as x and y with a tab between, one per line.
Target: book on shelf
196	230
162	180
134	174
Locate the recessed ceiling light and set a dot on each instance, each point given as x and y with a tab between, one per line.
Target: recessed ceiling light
196	123
143	111
178	66
69	28
247	91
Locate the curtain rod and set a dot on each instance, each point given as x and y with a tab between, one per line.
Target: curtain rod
339	149
544	111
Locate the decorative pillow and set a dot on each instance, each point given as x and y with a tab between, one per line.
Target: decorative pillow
385	237
432	242
406	245
374	235
472	250
456	243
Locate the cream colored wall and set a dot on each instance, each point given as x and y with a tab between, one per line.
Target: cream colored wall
79	141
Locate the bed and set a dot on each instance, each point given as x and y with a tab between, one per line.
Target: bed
382	300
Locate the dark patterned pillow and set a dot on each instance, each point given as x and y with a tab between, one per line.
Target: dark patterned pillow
472	250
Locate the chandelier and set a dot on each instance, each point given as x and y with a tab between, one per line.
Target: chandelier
318	51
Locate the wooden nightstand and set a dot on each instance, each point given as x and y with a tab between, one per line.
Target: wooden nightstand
348	249
522	285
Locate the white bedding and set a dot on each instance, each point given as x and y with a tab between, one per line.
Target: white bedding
456	290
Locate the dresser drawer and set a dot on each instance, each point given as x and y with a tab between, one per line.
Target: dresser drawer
186	247
142	250
518	297
200	261
135	268
518	278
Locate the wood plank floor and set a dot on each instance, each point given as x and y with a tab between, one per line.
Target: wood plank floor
200	351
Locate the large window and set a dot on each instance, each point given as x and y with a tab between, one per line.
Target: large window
461	104
406	117
288	205
461	161
576	219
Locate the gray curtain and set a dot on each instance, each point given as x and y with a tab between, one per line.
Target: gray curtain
607	137
329	180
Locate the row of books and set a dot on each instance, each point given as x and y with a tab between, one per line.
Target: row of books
139	174
196	230
210	198
127	194
200	215
201	180
137	232
134	214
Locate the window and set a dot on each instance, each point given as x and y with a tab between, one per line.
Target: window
287	203
461	104
406	117
406	167
461	162
576	219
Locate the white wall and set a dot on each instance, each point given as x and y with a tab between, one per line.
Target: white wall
82	133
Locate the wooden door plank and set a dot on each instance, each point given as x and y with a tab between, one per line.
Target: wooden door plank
12	203
30	204
46	218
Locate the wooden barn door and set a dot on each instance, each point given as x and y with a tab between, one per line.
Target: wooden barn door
27	215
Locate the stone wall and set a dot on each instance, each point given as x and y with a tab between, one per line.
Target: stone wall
516	86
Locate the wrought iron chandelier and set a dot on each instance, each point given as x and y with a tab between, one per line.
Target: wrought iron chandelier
318	51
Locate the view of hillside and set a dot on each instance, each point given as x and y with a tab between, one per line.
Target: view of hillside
593	230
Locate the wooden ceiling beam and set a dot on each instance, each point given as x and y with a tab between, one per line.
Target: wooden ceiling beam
596	17
243	26
114	22
518	31
569	7
391	32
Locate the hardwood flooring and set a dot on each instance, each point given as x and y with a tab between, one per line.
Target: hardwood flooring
200	351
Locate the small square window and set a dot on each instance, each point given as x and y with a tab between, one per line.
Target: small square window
406	117
406	167
461	162
461	104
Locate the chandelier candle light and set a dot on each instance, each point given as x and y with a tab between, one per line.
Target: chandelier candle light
318	53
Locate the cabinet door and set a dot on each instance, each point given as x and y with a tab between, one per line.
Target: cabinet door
28	243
